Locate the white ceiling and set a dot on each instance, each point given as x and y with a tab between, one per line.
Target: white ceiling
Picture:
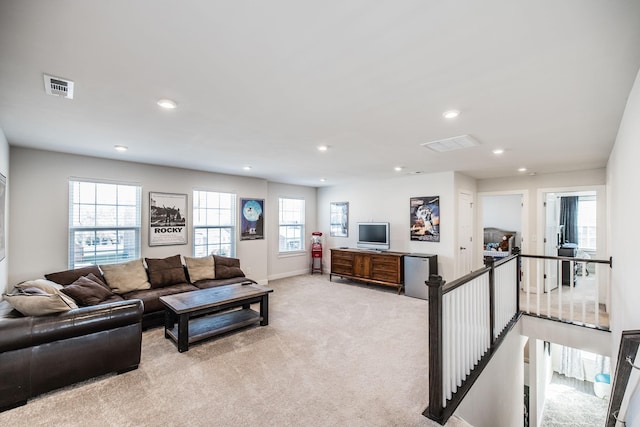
263	83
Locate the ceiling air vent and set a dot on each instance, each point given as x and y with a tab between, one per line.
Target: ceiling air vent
451	144
57	86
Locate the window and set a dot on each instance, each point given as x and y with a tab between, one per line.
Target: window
104	223
291	225
214	223
587	225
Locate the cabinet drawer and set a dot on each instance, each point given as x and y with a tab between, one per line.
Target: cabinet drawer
341	269
342	263
345	256
385	262
386	276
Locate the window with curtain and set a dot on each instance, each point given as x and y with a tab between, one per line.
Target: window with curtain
104	222
569	218
291	225
587	225
214	223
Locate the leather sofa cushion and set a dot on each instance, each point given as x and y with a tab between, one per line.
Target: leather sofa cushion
33	301
200	268
86	292
67	277
126	277
227	268
150	297
165	271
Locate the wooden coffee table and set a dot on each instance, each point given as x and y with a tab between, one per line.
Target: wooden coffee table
198	313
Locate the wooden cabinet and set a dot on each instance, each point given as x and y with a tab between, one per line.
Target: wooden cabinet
362	266
382	268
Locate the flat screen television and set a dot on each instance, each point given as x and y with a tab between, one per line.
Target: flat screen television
373	235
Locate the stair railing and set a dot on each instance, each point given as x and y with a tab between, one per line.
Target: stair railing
629	343
468	319
556	296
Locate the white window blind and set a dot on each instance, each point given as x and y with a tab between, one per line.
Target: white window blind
587	225
291	225
214	223
104	222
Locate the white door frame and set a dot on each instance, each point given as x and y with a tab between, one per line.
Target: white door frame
601	236
465	240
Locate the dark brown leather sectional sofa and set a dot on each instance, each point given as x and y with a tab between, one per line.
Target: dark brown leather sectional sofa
227	272
40	354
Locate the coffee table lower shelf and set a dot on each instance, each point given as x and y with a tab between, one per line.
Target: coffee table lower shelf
215	324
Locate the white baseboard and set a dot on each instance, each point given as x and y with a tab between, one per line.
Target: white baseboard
288	274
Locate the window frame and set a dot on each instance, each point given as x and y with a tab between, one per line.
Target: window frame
127	252
197	227
587	233
291	225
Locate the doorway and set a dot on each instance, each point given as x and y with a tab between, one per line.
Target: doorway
573	220
506	211
464	264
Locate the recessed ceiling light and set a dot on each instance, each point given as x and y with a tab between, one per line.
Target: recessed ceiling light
522	169
121	147
323	179
498	151
167	103
398	168
451	114
247	168
323	147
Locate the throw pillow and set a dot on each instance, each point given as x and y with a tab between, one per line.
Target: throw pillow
126	277
67	277
165	271
200	268
98	280
227	268
34	301
47	286
85	292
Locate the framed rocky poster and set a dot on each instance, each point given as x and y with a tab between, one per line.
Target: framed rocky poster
167	219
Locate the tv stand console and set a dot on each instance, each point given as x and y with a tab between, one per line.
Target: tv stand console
380	268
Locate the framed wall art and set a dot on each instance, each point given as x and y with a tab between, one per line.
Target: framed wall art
3	190
425	218
339	219
167	219
251	219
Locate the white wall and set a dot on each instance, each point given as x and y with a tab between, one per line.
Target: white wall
38	234
540	370
623	175
504	212
4	170
388	200
497	397
290	264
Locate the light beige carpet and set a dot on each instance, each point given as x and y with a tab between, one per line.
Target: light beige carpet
334	354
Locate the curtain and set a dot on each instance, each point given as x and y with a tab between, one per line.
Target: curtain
569	218
571	363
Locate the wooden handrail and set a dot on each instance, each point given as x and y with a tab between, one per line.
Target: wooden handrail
629	342
566	258
437	410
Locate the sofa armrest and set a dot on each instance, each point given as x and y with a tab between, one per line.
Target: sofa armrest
22	332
